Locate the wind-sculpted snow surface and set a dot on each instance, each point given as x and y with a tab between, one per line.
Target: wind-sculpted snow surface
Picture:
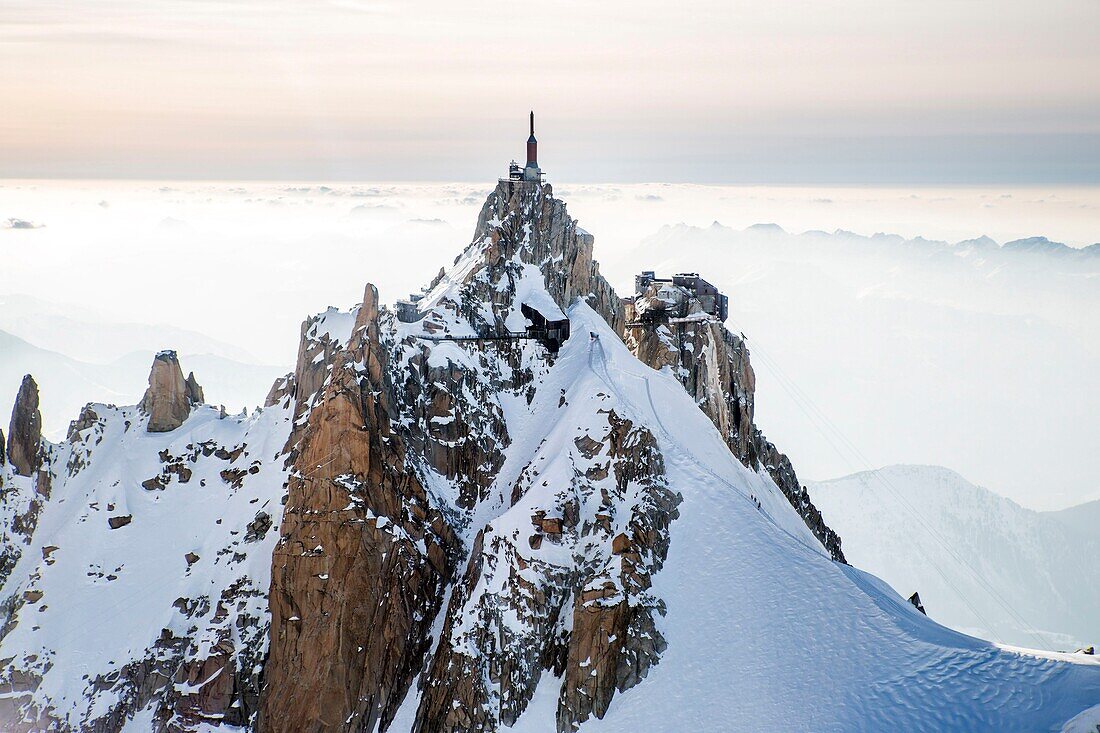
481	532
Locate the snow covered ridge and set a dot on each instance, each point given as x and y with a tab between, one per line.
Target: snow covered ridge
461	524
136	567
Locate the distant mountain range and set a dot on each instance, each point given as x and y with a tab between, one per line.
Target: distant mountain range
981	563
1084	518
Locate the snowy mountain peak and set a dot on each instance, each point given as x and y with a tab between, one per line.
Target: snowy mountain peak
523	235
478	510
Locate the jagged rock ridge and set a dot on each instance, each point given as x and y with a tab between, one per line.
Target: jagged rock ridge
431	414
156	583
357	527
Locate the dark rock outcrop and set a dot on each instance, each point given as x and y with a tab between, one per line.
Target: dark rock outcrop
119	521
25	430
86	419
281	388
31	456
169	398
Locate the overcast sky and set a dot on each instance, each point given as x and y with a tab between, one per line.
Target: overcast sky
828	91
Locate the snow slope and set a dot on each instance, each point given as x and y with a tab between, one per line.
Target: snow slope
105	596
1046	571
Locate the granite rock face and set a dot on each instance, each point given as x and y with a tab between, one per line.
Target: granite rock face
25	482
713	365
526	224
25	430
193	390
359	571
281	389
520	610
169	398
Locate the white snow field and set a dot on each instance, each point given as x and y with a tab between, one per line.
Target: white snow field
106	593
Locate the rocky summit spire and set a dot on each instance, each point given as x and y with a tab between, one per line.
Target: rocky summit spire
169	398
25	429
194	390
521	224
671	322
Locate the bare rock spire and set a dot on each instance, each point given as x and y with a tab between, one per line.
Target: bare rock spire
25	429
194	390
169	398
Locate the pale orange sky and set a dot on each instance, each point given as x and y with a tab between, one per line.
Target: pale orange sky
830	91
